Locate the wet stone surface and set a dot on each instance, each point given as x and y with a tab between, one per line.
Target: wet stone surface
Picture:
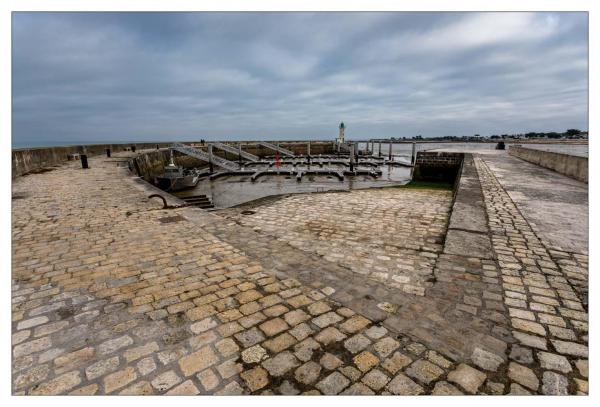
308	295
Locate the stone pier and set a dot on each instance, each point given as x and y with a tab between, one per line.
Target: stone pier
400	291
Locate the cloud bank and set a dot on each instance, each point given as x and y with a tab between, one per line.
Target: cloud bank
102	77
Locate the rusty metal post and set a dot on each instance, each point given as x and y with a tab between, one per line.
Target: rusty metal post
84	161
352	157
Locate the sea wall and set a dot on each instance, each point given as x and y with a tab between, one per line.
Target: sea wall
30	160
569	165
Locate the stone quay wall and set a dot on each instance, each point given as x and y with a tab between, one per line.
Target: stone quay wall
29	160
437	166
569	165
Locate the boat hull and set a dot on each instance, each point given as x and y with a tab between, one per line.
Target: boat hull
177	184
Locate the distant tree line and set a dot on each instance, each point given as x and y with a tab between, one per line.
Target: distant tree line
568	134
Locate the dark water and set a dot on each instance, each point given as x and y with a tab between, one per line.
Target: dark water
404	150
229	191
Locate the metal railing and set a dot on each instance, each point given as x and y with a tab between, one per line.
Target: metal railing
204	156
276	148
233	150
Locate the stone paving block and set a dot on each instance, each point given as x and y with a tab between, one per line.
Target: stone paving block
402	385
256	378
301	331
296	317
232	388
554	384
364	361
523	376
357	389
112	345
308	373
424	371
330	361
570	348
208	379
165	381
146	366
197	361
329	335
254	354
186	388
375	379
273	326
376	332
227	347
280	342
36	345
333	384
250	337
385	346
31	376
58	385
117	380
356	343
467	377
486	360
229	368
280	364
445	389
72	360
554	362
102	367
327	319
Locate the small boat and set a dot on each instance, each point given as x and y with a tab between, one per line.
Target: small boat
176	178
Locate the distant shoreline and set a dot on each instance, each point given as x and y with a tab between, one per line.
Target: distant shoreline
424	141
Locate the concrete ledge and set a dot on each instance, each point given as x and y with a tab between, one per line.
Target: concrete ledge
467	230
569	165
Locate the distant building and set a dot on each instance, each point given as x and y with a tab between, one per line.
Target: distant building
340	139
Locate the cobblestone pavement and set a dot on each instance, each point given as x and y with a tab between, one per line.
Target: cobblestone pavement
392	237
546	294
113	295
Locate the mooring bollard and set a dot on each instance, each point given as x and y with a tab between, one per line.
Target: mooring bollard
108	152
84	162
133	148
157	146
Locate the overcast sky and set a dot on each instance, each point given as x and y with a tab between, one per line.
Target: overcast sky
98	77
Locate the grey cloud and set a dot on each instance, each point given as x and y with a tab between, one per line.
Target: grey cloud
91	77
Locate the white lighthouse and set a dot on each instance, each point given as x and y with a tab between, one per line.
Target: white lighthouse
340	139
